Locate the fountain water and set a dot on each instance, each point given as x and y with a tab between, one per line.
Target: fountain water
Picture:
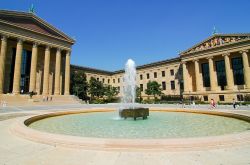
128	108
129	85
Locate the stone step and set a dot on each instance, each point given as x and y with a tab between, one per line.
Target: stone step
37	100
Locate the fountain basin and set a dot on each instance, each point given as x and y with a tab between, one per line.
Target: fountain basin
21	128
135	113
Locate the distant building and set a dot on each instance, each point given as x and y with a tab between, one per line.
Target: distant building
217	68
167	73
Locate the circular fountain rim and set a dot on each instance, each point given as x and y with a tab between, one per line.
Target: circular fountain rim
20	128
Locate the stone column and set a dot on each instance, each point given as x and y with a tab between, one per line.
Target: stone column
229	72
46	71
212	74
2	62
246	68
17	70
185	76
67	73
197	75
33	68
57	72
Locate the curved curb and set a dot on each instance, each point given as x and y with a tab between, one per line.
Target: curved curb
20	128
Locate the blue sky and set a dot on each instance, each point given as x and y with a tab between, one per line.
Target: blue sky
108	32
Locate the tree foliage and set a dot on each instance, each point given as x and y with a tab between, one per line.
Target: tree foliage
96	88
79	84
153	88
138	94
110	92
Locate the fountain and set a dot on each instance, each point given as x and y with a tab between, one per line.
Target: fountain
128	107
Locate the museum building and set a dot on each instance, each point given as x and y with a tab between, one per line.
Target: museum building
34	55
216	68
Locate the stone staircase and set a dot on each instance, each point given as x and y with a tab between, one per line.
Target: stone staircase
22	100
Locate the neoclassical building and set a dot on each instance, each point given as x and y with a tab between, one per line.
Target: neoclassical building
34	55
168	73
216	68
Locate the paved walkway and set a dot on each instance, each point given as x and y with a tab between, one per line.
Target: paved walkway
18	151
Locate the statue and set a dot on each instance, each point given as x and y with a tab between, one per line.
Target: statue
207	45
32	9
216	41
233	39
202	47
221	41
227	40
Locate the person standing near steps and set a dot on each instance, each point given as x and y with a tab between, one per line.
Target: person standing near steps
234	103
212	103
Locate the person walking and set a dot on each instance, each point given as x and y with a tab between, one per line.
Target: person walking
234	103
212	103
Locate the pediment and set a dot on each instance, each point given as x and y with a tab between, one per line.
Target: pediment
216	41
31	22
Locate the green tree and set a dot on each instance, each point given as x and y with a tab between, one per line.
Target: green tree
110	92
153	88
138	94
96	88
79	84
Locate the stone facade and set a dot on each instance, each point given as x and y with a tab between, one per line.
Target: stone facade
217	68
226	58
34	56
164	72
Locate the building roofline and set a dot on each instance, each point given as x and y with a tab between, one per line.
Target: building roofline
40	20
92	69
176	59
210	37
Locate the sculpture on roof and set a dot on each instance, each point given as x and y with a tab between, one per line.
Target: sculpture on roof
214	31
218	41
32	9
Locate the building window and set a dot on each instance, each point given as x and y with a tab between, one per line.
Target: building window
155	74
108	81
147	75
97	79
205	98
141	77
238	71
172	72
118	88
221	97
103	80
141	87
205	74
163	73
221	74
163	85
172	85
118	80
113	80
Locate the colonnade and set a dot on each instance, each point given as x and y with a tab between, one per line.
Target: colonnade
213	74
33	67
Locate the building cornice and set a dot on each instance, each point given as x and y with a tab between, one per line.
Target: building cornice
187	52
219	50
93	70
39	20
